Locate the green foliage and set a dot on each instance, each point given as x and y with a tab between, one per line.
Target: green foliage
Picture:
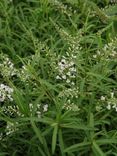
58	78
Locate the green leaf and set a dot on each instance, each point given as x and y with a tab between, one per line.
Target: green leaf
76	126
75	147
47	131
61	143
54	138
41	151
3	153
37	131
44	120
106	141
91	124
97	150
19	99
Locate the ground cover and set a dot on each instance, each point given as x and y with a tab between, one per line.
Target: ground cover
58	78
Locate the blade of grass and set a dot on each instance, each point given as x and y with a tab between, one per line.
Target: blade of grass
37	132
106	141
61	142
97	150
75	147
54	138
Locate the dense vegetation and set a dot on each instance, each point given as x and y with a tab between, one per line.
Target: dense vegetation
58	78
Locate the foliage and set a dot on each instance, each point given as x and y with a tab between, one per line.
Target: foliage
58	78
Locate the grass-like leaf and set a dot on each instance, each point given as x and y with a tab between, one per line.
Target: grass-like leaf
75	147
54	138
97	150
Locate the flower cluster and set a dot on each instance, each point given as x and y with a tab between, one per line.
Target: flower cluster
66	65
73	42
74	48
62	7
71	95
39	47
32	64
35	111
24	74
66	71
38	110
10	110
108	52
7	68
13	110
5	93
11	128
110	102
71	106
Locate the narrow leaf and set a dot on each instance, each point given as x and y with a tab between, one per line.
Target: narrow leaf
97	150
54	138
61	143
106	141
37	131
75	147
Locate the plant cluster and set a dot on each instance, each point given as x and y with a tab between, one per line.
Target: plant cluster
58	79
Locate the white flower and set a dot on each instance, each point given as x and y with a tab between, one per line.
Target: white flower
114	106
68	81
103	98
38	114
1	136
64	77
5	93
94	56
116	109
45	107
109	106
112	94
58	77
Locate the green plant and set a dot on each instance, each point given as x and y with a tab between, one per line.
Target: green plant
58	83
